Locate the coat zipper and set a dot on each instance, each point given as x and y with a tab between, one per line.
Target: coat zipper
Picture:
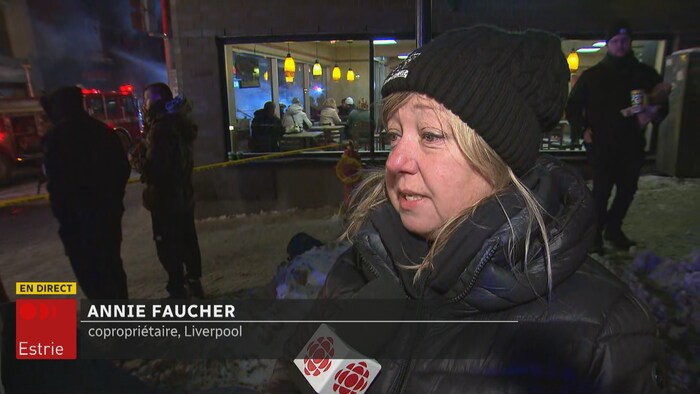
482	263
364	262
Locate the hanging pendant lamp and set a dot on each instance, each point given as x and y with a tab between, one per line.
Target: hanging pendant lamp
572	59
317	71
350	76
289	66
336	70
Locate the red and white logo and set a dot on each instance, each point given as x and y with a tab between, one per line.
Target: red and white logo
319	354
353	379
46	329
331	366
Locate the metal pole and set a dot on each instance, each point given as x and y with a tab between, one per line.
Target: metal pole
28	75
165	14
424	17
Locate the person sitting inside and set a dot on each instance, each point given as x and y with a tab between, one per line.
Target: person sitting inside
267	130
346	106
358	127
295	119
329	113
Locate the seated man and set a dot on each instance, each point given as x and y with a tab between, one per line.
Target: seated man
266	130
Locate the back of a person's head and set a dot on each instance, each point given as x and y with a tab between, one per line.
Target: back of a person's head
296	101
330	102
62	103
269	107
363	105
161	90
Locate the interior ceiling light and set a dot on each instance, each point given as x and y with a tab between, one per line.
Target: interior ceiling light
572	59
384	41
600	44
289	65
336	73
587	50
317	71
336	70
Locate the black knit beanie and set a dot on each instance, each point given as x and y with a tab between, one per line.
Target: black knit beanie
508	87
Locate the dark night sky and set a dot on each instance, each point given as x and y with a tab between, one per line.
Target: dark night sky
93	43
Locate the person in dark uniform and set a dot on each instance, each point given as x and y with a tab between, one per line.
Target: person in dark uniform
87	170
165	161
613	137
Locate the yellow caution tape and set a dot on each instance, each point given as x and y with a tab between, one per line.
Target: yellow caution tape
45	288
45	196
23	200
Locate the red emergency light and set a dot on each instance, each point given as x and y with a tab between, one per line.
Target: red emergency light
90	91
126	89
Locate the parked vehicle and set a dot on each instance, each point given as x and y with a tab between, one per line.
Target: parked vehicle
23	123
118	109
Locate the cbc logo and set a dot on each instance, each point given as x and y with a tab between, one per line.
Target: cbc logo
37	311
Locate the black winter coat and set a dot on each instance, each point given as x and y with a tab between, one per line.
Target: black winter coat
87	170
167	164
593	335
266	132
599	95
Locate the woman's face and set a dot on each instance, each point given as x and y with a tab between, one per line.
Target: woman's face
428	179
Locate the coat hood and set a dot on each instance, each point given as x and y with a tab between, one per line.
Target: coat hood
64	102
498	276
173	115
294	109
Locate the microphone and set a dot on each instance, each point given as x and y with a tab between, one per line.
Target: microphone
330	365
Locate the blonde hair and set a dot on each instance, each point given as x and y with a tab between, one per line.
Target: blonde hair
372	190
363	105
330	102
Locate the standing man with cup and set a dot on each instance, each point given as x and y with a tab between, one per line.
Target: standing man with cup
607	107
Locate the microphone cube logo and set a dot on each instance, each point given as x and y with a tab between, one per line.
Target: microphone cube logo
353	379
46	329
319	354
331	366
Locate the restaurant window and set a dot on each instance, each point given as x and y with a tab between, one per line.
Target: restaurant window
246	94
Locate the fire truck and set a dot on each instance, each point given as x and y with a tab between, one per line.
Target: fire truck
118	109
23	123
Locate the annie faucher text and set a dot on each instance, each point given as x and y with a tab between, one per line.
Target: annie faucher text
150	331
161	311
